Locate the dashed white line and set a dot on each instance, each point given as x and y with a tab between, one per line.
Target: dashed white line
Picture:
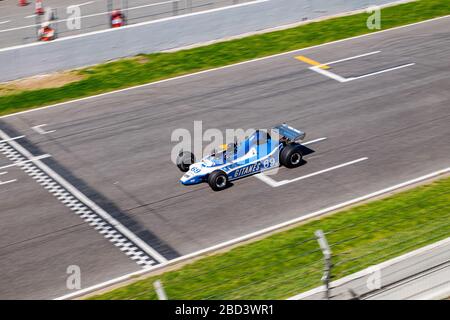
3	22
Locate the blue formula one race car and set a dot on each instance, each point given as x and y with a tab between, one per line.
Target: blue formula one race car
257	153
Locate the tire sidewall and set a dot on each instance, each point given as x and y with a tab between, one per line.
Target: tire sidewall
287	153
214	177
184	161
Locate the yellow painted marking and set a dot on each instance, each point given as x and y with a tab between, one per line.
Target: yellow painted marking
312	62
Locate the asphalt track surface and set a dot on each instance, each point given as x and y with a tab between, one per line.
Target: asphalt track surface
18	25
115	149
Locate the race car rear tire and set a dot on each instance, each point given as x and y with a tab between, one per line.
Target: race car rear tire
184	160
291	156
218	180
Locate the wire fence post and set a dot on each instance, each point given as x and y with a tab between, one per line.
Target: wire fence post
38	23
323	243
175	7
189	5
109	9
53	18
125	9
160	290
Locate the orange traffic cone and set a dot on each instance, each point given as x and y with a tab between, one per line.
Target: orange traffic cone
39	7
23	3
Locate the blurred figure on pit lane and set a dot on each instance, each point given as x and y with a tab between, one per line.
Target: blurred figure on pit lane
46	33
117	19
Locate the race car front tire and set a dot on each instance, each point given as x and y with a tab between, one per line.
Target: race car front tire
184	161
218	180
291	156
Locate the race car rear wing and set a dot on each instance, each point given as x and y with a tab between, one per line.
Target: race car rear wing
290	133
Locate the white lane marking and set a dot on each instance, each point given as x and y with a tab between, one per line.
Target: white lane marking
85	200
82	4
6	182
3	22
381	71
73	5
31	159
352	58
329	74
133	25
209	70
265	176
271	182
255	234
341	79
370	269
39	129
150	5
15	138
314	141
125	9
266	179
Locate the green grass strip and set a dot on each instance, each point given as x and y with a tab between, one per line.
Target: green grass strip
289	262
129	72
